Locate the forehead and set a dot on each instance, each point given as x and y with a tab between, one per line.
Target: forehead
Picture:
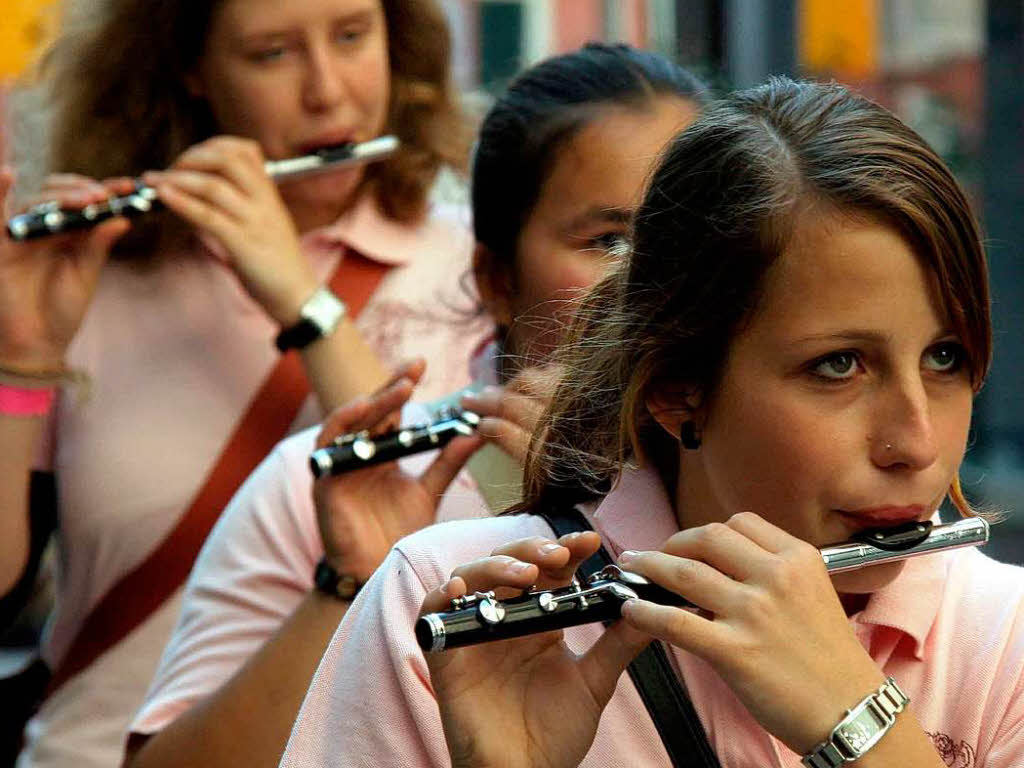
841	273
606	162
241	18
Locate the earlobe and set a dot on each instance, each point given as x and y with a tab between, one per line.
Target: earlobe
678	414
669	413
494	283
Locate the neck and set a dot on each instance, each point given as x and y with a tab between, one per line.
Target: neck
320	200
313	214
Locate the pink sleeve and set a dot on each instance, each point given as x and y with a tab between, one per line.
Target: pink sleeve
1007	750
254	570
370	703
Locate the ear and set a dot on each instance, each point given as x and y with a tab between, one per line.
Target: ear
672	406
494	282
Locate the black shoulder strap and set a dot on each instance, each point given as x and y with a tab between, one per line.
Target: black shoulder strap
652	673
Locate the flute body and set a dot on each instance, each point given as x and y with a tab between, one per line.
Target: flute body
480	617
360	450
50	219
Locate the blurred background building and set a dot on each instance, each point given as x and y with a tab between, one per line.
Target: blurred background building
953	69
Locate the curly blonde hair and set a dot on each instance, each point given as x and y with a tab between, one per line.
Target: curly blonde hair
117	104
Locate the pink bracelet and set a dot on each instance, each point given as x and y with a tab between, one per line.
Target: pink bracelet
18	401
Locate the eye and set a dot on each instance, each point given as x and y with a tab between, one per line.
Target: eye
612	243
837	366
269	53
350	35
945	357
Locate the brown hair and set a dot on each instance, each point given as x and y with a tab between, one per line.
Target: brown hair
719	211
115	81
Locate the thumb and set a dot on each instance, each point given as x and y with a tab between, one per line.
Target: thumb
607	659
450	461
6	182
97	245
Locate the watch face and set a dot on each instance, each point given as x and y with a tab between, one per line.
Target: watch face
856	736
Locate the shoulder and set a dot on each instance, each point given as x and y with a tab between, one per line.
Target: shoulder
985	597
982	584
271	518
980	621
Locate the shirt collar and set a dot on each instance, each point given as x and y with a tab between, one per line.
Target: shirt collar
366	229
637	514
910	602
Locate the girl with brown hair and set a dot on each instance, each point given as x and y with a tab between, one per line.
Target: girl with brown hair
787	357
558	169
175	332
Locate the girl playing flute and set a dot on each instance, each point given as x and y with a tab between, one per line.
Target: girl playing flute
557	173
788	356
176	329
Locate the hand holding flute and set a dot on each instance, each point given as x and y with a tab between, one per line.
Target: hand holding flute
46	286
362	514
772	626
221	186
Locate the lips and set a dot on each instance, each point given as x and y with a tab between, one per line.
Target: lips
881	517
324	140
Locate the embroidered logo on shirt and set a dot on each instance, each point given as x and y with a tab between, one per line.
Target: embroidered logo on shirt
953	754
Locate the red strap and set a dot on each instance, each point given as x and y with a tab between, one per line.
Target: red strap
139	593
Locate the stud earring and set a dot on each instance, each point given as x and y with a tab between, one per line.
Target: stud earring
688	436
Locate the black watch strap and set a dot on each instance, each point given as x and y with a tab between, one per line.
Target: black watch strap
298	336
318	317
340	585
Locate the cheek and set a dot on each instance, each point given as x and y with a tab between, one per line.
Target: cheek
771	458
239	107
544	296
371	88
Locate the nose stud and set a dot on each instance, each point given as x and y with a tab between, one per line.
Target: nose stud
888	446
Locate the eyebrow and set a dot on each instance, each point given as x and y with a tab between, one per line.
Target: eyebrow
356	15
856	334
599	214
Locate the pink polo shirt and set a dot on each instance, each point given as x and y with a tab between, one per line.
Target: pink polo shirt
255	569
950	629
175	354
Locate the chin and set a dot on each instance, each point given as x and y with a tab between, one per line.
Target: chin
867	580
324	188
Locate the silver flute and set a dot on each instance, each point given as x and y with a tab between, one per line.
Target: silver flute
359	449
481	617
50	219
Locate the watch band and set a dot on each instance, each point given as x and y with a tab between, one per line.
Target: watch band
318	317
860	729
340	585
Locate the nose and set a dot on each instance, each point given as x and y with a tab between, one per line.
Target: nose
904	437
324	86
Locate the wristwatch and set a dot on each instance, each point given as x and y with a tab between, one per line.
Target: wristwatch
318	317
861	729
341	585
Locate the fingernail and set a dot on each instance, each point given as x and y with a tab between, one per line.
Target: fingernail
520	567
550	548
626	556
